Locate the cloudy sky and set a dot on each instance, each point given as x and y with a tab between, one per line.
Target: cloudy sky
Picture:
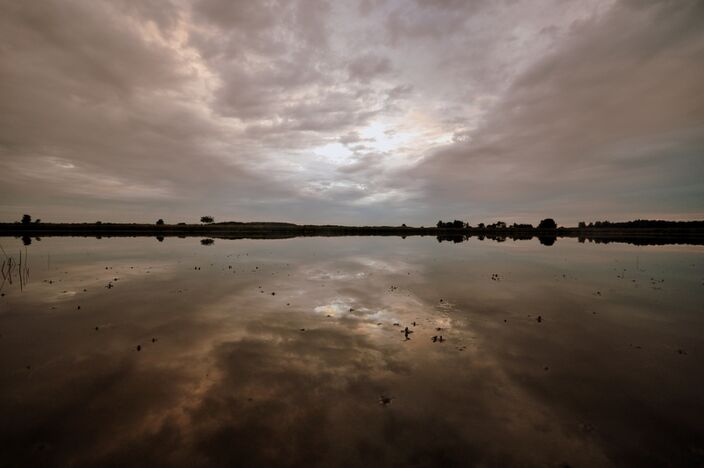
354	111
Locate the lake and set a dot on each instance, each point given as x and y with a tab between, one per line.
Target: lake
352	351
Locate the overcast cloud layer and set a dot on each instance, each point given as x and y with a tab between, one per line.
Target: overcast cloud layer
367	112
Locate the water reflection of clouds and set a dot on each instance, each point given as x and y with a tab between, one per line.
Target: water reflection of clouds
321	275
386	265
344	309
241	377
356	268
73	278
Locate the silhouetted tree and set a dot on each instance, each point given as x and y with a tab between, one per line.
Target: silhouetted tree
159	222
207	219
207	241
26	219
456	224
37	221
547	223
582	225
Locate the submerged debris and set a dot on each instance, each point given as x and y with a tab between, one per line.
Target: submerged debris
385	400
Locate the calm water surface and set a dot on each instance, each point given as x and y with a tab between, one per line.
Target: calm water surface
134	352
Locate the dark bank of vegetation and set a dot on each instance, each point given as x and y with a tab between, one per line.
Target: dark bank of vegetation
642	224
640	232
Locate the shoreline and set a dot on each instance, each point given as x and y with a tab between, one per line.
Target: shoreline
639	236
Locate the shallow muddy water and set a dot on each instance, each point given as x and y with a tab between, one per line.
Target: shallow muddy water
351	352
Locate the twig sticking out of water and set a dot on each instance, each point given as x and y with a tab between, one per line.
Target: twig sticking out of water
11	267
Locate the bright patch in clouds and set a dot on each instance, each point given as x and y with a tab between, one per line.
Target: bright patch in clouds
384	138
334	152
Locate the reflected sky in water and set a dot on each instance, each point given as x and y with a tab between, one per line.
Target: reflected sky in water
134	352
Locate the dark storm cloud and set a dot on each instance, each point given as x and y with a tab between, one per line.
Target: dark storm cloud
367	67
250	109
593	123
430	18
264	53
102	110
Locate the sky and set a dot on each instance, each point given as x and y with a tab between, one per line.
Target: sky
351	112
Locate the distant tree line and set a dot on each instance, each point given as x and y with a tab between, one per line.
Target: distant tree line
642	224
547	223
